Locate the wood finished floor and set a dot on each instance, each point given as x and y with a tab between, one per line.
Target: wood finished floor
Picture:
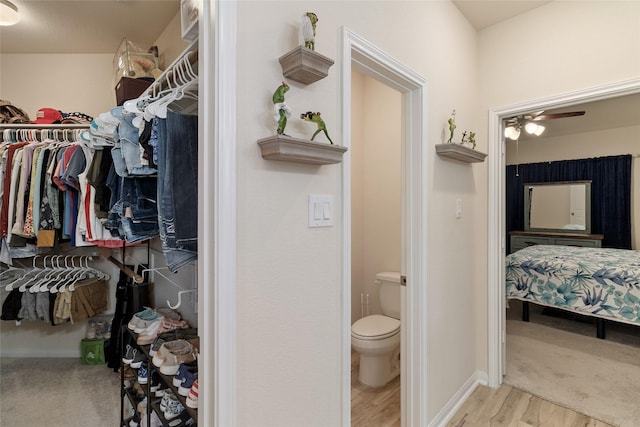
379	407
508	406
505	406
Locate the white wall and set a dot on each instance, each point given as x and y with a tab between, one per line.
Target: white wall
67	82
610	142
288	278
575	45
376	192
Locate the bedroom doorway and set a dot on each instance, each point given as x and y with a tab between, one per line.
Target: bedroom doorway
497	208
358	54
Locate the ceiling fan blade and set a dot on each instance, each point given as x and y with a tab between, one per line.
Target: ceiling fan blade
557	116
533	116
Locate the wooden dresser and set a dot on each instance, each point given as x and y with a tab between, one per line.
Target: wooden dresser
522	239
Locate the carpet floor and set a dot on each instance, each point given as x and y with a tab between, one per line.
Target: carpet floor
58	392
599	378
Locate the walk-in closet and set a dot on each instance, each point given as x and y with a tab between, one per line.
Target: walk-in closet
99	214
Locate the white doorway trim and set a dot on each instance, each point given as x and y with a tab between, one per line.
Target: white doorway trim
217	217
358	53
497	206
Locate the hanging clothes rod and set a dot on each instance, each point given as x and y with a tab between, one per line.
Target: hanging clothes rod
42	126
126	270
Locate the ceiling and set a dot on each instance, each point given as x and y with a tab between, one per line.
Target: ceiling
483	13
98	26
88	26
609	113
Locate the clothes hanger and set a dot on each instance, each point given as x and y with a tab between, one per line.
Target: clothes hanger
10	272
40	271
59	270
61	285
36	286
181	84
9	286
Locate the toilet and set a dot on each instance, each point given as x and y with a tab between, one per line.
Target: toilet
377	337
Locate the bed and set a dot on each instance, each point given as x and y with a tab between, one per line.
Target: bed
598	282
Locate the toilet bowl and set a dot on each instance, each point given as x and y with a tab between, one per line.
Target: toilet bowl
377	339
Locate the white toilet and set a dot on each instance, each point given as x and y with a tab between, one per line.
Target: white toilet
377	337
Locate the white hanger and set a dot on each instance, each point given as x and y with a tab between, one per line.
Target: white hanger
61	285
59	271
48	275
39	271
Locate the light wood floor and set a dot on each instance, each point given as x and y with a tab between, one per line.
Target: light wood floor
505	406
379	407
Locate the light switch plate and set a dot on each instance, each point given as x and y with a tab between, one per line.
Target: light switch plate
320	210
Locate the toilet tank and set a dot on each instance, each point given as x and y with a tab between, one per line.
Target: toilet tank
389	293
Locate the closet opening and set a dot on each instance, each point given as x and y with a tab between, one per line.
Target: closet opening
100	230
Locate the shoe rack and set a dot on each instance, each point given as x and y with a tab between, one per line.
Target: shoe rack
189	417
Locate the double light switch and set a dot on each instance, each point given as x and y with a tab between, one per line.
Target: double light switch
320	210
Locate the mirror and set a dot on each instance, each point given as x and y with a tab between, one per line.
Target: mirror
558	206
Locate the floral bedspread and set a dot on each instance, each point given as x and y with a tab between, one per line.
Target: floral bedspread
591	281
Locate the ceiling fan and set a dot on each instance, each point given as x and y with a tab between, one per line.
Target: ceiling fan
529	122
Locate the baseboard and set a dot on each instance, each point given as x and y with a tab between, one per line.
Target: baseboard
452	406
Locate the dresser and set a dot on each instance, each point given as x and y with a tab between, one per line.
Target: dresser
522	239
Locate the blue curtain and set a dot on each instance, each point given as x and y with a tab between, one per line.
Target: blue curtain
610	193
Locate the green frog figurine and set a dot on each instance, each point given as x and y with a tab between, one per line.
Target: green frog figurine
282	110
310	116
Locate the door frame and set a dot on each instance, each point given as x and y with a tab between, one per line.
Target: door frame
497	207
358	53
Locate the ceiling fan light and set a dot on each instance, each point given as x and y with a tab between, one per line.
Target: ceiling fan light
8	13
531	128
534	129
511	132
539	130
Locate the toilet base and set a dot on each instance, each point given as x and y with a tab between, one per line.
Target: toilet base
378	370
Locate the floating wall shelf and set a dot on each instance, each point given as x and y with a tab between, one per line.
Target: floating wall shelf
289	149
460	152
305	65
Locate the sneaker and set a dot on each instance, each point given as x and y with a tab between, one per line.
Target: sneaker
150	330
174	409
178	377
141	407
155	381
187	383
141	320
172	361
129	355
143	373
166	399
169	313
166	325
192	396
127	374
138	359
166	348
176	334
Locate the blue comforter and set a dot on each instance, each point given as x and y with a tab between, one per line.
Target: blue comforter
591	281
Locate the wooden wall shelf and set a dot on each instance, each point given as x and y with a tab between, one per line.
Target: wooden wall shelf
305	65
289	149
460	152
